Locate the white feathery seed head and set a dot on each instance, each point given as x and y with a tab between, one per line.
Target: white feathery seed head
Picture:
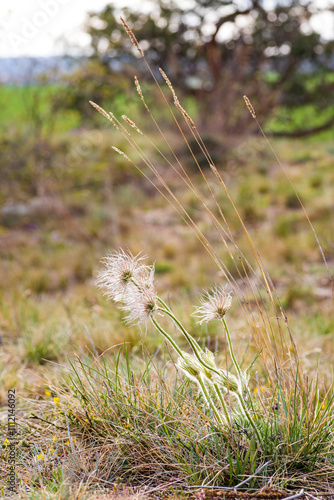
243	381
140	303
214	305
121	269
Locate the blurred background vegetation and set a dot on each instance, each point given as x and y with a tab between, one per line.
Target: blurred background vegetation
66	197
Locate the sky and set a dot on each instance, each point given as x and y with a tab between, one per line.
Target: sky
47	27
35	27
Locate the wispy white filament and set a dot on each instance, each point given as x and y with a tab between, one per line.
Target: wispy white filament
121	270
214	305
126	279
140	303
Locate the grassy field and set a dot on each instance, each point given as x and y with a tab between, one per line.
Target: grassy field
68	199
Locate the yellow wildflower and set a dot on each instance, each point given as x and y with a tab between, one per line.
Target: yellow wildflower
262	388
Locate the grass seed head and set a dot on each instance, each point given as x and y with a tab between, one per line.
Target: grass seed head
121	153
176	100
140	93
100	110
103	112
249	106
132	124
132	36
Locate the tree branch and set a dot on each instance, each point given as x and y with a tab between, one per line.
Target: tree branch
304	132
230	18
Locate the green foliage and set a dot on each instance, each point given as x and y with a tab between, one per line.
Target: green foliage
32	108
162	267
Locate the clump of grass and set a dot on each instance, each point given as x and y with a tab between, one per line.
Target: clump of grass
153	427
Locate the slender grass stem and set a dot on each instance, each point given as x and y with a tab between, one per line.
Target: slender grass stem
235	362
164	304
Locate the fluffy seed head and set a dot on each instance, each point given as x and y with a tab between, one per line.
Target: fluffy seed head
121	269
208	357
140	303
214	305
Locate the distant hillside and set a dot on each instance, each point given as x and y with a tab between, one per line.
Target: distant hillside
22	70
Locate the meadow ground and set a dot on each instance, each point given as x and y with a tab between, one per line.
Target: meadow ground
61	211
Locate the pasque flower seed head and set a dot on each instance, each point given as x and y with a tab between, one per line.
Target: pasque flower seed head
122	269
140	303
214	305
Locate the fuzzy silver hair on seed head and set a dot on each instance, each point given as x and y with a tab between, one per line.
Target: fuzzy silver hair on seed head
121	270
214	305
140	303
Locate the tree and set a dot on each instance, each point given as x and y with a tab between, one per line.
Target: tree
219	50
